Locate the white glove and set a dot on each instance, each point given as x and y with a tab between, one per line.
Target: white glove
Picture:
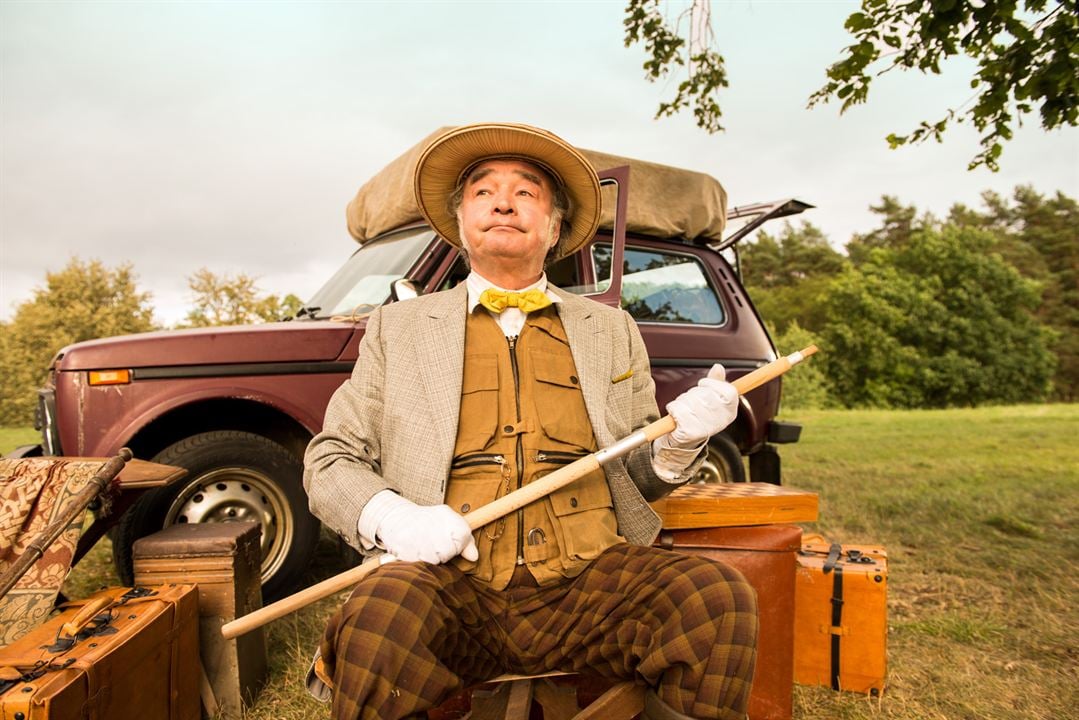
702	411
417	533
699	413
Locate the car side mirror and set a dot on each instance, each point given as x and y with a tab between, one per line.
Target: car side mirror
404	289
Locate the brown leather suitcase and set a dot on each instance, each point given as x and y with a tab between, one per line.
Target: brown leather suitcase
766	555
841	626
224	560
121	653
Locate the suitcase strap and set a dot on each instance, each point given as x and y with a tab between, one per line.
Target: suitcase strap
18	672
832	565
837	620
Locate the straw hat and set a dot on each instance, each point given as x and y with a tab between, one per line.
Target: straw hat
449	156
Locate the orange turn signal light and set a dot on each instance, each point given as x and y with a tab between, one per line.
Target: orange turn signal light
110	377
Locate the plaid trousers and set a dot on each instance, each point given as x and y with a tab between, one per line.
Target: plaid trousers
413	634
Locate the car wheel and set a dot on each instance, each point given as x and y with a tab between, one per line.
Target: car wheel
723	463
232	477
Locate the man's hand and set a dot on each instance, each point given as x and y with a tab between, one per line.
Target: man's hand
421	533
702	411
699	413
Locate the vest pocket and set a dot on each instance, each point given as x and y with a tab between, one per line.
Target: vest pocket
584	519
465	494
559	401
479	402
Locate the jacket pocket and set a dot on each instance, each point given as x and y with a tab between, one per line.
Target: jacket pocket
479	402
559	400
583	515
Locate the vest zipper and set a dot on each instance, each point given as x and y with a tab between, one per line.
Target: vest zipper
478	459
512	340
558	457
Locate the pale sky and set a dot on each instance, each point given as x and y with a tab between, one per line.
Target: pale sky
231	135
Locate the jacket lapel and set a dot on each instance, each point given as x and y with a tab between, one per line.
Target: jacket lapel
590	343
440	343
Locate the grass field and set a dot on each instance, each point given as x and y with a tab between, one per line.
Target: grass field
11	438
979	511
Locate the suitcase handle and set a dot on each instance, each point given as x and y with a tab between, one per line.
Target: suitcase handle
83	617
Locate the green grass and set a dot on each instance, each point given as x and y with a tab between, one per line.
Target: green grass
13	437
979	511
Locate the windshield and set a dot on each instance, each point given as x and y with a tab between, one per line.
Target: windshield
363	282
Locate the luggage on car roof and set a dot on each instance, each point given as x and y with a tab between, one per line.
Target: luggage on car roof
664	201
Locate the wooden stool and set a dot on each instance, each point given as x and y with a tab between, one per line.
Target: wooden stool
509	697
512	695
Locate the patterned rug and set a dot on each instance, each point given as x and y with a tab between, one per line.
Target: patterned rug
33	493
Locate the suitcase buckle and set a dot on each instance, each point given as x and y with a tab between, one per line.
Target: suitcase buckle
100	625
136	592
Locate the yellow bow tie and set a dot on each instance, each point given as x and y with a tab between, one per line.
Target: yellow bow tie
496	300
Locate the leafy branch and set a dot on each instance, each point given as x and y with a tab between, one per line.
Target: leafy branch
667	48
1021	63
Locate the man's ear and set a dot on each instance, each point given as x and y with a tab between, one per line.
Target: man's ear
461	234
554	230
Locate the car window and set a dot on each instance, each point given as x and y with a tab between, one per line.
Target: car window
363	282
661	286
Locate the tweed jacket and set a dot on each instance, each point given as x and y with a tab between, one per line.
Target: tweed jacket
393	423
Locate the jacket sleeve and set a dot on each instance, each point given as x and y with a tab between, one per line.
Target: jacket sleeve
645	411
342	465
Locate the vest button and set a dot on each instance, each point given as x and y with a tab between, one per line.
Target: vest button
507	429
573	379
573	502
465	508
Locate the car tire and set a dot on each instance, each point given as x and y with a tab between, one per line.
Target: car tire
232	477
723	463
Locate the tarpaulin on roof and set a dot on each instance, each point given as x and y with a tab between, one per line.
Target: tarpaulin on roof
664	201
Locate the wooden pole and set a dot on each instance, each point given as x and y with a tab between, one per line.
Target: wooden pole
508	503
73	510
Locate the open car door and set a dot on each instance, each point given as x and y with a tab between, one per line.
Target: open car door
744	219
614	184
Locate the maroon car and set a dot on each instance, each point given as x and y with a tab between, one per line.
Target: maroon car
236	406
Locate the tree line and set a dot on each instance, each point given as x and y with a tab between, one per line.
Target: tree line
87	300
978	307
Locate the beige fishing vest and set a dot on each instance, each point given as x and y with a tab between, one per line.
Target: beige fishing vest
522	417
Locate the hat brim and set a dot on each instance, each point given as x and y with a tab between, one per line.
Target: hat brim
443	162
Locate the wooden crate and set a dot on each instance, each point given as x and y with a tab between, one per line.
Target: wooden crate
224	560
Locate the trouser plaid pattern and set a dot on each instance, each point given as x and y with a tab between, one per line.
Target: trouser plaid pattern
412	634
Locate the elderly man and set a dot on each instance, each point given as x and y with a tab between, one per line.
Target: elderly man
461	397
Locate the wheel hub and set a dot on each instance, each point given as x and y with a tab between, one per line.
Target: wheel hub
714	469
237	495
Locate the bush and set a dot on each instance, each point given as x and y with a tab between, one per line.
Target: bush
806	388
937	322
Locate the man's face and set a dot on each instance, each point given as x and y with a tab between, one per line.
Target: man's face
505	218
